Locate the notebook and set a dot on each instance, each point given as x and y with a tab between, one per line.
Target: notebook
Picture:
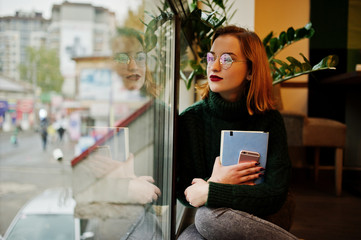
250	142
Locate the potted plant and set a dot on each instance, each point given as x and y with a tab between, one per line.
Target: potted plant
198	26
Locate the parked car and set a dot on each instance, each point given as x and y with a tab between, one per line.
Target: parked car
48	216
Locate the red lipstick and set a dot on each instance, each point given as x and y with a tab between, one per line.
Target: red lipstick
133	77
215	78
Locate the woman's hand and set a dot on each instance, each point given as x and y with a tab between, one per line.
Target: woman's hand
142	190
197	193
242	173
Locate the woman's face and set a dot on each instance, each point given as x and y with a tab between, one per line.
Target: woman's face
130	62
227	82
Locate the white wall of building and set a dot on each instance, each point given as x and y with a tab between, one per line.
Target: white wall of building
10	53
38	39
79	30
75	40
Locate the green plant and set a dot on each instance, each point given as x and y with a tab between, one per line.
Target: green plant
42	68
198	26
281	70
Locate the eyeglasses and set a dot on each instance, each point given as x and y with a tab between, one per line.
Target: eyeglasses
124	58
225	60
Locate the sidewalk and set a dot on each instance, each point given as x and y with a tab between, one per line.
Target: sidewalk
29	149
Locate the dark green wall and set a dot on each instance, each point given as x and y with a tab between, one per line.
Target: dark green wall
354	35
330	20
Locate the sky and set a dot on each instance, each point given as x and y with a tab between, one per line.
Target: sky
120	7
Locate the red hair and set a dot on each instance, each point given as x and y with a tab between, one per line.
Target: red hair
259	97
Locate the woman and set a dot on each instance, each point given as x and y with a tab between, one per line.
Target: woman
236	96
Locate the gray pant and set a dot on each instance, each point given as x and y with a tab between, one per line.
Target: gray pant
229	224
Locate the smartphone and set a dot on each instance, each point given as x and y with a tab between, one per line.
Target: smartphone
246	156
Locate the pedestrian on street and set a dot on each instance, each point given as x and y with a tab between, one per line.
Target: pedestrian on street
14	136
43	127
44	132
62	123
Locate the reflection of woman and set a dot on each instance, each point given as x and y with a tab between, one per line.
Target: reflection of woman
237	96
130	61
130	64
120	197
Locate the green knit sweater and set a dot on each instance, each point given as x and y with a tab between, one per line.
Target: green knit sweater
199	134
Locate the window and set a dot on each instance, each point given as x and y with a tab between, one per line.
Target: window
108	96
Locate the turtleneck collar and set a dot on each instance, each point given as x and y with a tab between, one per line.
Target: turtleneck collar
227	110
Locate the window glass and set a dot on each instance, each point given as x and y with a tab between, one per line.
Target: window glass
43	227
93	114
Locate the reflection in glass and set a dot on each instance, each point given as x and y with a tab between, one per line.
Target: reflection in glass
43	227
106	189
105	88
132	197
130	61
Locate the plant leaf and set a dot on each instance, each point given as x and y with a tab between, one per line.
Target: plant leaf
284	65
183	76
267	38
219	3
300	33
308	26
150	42
310	33
193	6
305	59
294	61
282	38
306	65
268	51
327	62
274	44
290	34
190	79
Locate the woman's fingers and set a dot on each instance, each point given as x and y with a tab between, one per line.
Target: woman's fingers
247	168
246	165
251	183
250	178
147	178
142	191
195	180
251	170
248	173
157	191
156	194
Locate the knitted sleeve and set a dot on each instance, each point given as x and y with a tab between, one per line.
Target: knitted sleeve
188	155
268	197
